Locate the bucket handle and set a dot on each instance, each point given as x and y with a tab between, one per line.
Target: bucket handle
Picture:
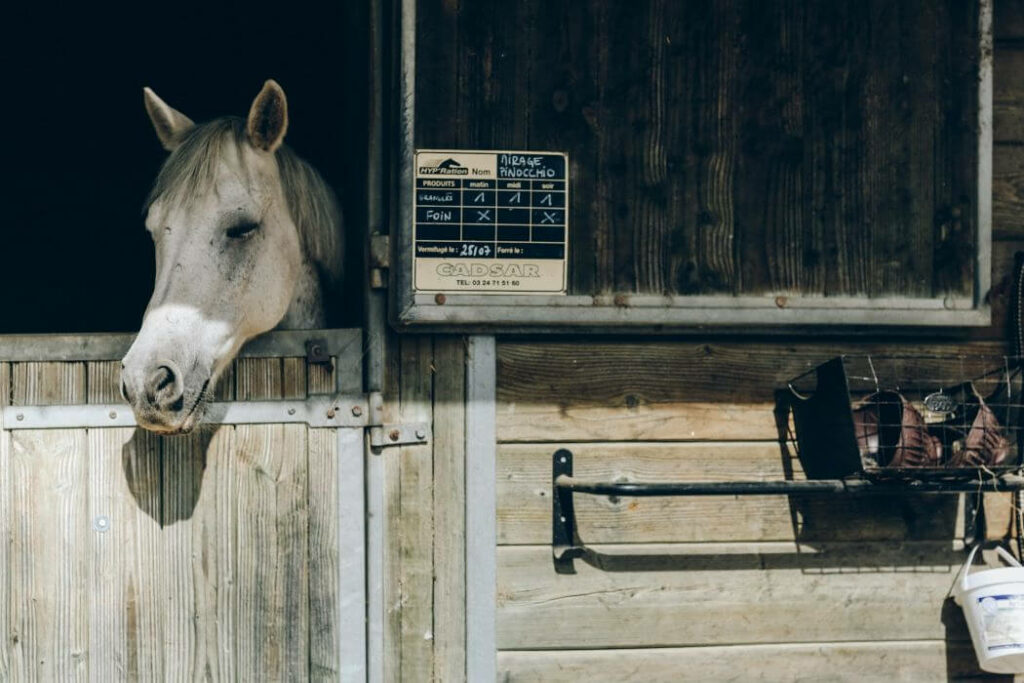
1010	559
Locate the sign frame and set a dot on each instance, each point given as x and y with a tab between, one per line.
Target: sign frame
624	312
510	219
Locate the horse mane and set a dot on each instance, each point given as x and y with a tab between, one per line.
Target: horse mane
190	169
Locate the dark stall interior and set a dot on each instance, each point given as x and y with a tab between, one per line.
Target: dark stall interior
81	154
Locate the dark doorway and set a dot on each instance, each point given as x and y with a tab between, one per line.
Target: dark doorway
80	152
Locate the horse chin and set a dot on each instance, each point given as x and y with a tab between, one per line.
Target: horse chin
165	425
183	428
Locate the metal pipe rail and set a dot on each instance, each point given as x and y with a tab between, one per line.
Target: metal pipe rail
566	543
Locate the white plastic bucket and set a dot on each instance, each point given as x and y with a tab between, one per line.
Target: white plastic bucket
993	604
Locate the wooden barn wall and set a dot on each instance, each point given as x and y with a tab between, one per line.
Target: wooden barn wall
766	588
728	146
218	560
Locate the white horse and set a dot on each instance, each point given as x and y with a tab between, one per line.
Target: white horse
248	238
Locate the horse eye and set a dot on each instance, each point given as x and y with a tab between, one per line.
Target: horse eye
242	230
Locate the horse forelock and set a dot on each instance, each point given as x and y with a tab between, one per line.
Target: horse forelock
190	171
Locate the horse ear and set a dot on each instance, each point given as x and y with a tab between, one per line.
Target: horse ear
168	122
268	118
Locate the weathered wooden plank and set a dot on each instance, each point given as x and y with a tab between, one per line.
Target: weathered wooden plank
5	527
203	559
449	509
323	556
1008	20
1007	95
916	661
409	545
49	567
665	391
711	594
292	511
126	608
44	384
524	499
224	390
128	612
265	514
724	146
323	529
259	378
1007	190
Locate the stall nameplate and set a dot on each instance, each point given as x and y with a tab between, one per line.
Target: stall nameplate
490	222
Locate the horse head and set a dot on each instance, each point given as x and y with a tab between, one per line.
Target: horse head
244	232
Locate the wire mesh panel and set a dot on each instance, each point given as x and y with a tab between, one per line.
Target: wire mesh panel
909	416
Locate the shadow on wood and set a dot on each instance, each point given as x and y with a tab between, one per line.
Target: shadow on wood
165	474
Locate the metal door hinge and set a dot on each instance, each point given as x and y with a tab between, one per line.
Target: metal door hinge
380	260
383	435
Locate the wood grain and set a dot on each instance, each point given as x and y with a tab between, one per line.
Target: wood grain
524	499
323	526
724	146
46	384
1008	20
663	391
712	594
264	512
449	509
1007	95
917	661
1007	190
5	527
49	569
415	534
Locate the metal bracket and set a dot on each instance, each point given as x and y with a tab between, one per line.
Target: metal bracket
316	352
380	260
384	435
565	542
322	411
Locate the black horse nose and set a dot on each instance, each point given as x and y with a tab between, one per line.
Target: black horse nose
164	389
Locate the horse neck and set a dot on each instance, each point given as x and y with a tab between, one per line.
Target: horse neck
306	311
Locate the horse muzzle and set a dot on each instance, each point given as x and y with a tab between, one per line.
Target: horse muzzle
160	395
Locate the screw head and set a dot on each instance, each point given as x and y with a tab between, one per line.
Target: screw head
440	298
357	411
394	435
330	414
113	415
101	524
20	417
291	411
421	433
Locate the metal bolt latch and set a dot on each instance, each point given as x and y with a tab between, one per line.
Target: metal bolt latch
316	352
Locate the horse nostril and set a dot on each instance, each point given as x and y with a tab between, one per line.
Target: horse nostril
167	379
163	389
124	392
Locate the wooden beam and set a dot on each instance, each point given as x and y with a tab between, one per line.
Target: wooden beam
723	593
449	509
856	662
